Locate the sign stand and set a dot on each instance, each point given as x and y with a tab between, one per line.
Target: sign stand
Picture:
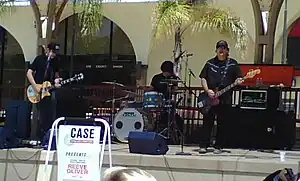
79	138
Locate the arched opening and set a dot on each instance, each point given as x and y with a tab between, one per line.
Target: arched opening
12	68
293	44
109	56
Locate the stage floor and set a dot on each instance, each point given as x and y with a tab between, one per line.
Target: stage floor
240	165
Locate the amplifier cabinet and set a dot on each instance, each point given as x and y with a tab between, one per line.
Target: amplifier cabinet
258	129
253	99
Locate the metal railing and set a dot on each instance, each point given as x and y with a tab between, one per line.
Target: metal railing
94	98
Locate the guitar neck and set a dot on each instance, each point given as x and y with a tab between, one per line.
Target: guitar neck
219	93
63	82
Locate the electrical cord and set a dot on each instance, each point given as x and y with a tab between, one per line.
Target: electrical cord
171	175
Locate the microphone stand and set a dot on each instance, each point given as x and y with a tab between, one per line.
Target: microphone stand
182	133
189	101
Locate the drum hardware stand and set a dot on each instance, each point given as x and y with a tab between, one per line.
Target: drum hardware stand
113	102
171	116
170	121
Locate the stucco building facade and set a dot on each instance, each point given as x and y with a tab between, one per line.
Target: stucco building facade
134	19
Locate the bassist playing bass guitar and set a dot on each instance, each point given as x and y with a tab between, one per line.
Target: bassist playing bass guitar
216	74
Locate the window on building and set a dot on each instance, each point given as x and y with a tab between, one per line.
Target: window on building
109	56
12	68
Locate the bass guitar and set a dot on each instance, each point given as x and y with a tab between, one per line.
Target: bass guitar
205	102
35	97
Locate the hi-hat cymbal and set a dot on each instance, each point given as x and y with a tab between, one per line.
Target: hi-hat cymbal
113	83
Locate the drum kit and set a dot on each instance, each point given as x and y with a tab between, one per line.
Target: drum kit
134	116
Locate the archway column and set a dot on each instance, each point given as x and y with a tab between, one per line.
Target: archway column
272	23
260	38
267	38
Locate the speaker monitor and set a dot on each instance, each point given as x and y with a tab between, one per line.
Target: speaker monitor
17	123
149	143
18	118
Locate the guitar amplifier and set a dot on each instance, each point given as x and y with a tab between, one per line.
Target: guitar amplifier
253	99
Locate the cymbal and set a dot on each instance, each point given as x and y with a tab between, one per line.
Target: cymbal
129	92
113	83
172	80
179	91
118	99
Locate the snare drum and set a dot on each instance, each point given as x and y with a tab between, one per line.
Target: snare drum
127	120
153	100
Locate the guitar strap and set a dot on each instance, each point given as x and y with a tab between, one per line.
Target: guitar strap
223	72
47	70
47	67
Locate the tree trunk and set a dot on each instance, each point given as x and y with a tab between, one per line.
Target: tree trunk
259	32
57	18
273	18
38	22
177	52
50	20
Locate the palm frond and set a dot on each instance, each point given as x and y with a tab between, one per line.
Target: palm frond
214	19
168	15
6	6
90	19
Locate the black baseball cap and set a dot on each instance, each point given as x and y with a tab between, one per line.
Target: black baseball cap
223	44
54	47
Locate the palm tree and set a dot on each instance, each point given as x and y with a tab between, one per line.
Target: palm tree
89	14
174	17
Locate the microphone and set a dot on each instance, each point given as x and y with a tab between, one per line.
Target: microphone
189	54
178	101
180	55
192	73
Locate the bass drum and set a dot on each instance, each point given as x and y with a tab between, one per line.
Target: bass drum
127	120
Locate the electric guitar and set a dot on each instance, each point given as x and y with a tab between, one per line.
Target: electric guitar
205	102
35	97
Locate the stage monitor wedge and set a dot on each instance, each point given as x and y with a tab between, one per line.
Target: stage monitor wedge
149	143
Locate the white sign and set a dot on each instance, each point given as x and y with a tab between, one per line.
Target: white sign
78	153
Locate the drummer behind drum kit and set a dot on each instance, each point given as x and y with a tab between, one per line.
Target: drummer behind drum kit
134	116
130	116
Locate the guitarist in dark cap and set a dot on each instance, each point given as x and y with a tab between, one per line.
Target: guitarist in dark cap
216	74
45	68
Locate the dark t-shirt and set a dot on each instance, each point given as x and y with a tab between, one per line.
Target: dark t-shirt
39	65
159	86
214	70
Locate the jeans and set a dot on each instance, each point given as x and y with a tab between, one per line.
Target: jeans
46	114
217	113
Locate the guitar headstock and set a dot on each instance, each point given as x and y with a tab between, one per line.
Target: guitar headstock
78	77
252	73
